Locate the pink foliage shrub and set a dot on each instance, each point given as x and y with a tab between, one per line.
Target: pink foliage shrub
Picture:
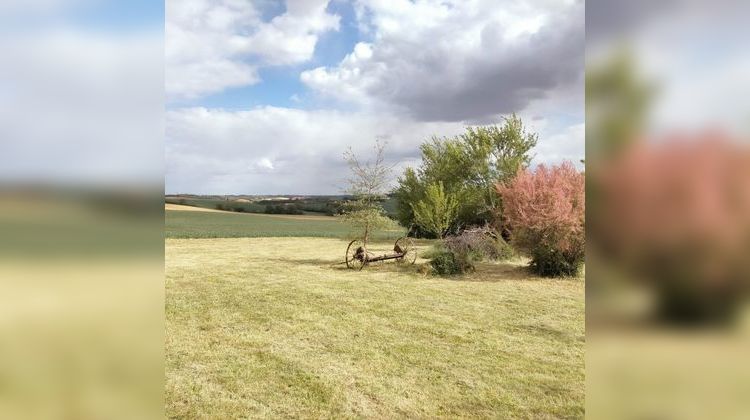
677	215
545	212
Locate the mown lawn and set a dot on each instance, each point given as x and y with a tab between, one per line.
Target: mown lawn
274	327
195	224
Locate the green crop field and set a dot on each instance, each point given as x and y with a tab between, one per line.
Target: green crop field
198	224
212	203
278	328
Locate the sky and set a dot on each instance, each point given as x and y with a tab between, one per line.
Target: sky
82	92
264	96
692	53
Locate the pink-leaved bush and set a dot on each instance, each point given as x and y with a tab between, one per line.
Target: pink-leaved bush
544	210
676	214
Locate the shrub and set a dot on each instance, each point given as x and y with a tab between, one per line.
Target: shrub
447	262
675	215
459	254
482	241
544	210
550	262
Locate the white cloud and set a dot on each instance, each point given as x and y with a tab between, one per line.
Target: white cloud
422	68
212	45
271	150
693	53
290	38
264	164
280	150
560	144
457	60
699	65
81	107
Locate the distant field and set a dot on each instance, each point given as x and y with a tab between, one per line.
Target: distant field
278	328
315	205
182	207
198	224
208	203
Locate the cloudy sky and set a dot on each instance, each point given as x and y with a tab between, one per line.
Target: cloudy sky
694	53
264	96
81	91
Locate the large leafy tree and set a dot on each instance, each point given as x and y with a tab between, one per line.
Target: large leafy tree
468	166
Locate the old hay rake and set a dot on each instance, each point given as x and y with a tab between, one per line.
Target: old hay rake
357	255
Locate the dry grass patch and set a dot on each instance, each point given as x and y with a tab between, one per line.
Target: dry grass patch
275	327
179	207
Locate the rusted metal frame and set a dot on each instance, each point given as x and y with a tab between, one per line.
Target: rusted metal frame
385	257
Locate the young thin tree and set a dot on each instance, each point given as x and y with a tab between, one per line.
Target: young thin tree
367	184
437	211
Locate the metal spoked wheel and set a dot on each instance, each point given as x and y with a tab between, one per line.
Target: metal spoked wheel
405	246
356	255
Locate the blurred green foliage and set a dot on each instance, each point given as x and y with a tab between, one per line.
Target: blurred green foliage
617	105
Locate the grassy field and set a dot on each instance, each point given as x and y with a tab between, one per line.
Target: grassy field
197	224
315	205
275	327
211	203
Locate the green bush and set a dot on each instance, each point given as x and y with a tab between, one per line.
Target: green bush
444	263
550	262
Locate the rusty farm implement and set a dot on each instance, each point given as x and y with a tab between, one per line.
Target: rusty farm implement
357	255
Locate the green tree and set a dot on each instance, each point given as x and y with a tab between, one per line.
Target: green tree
367	184
409	190
468	166
617	105
437	211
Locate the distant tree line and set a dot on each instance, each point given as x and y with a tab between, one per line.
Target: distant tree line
290	208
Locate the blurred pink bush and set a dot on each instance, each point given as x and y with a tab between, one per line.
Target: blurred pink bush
544	210
677	215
